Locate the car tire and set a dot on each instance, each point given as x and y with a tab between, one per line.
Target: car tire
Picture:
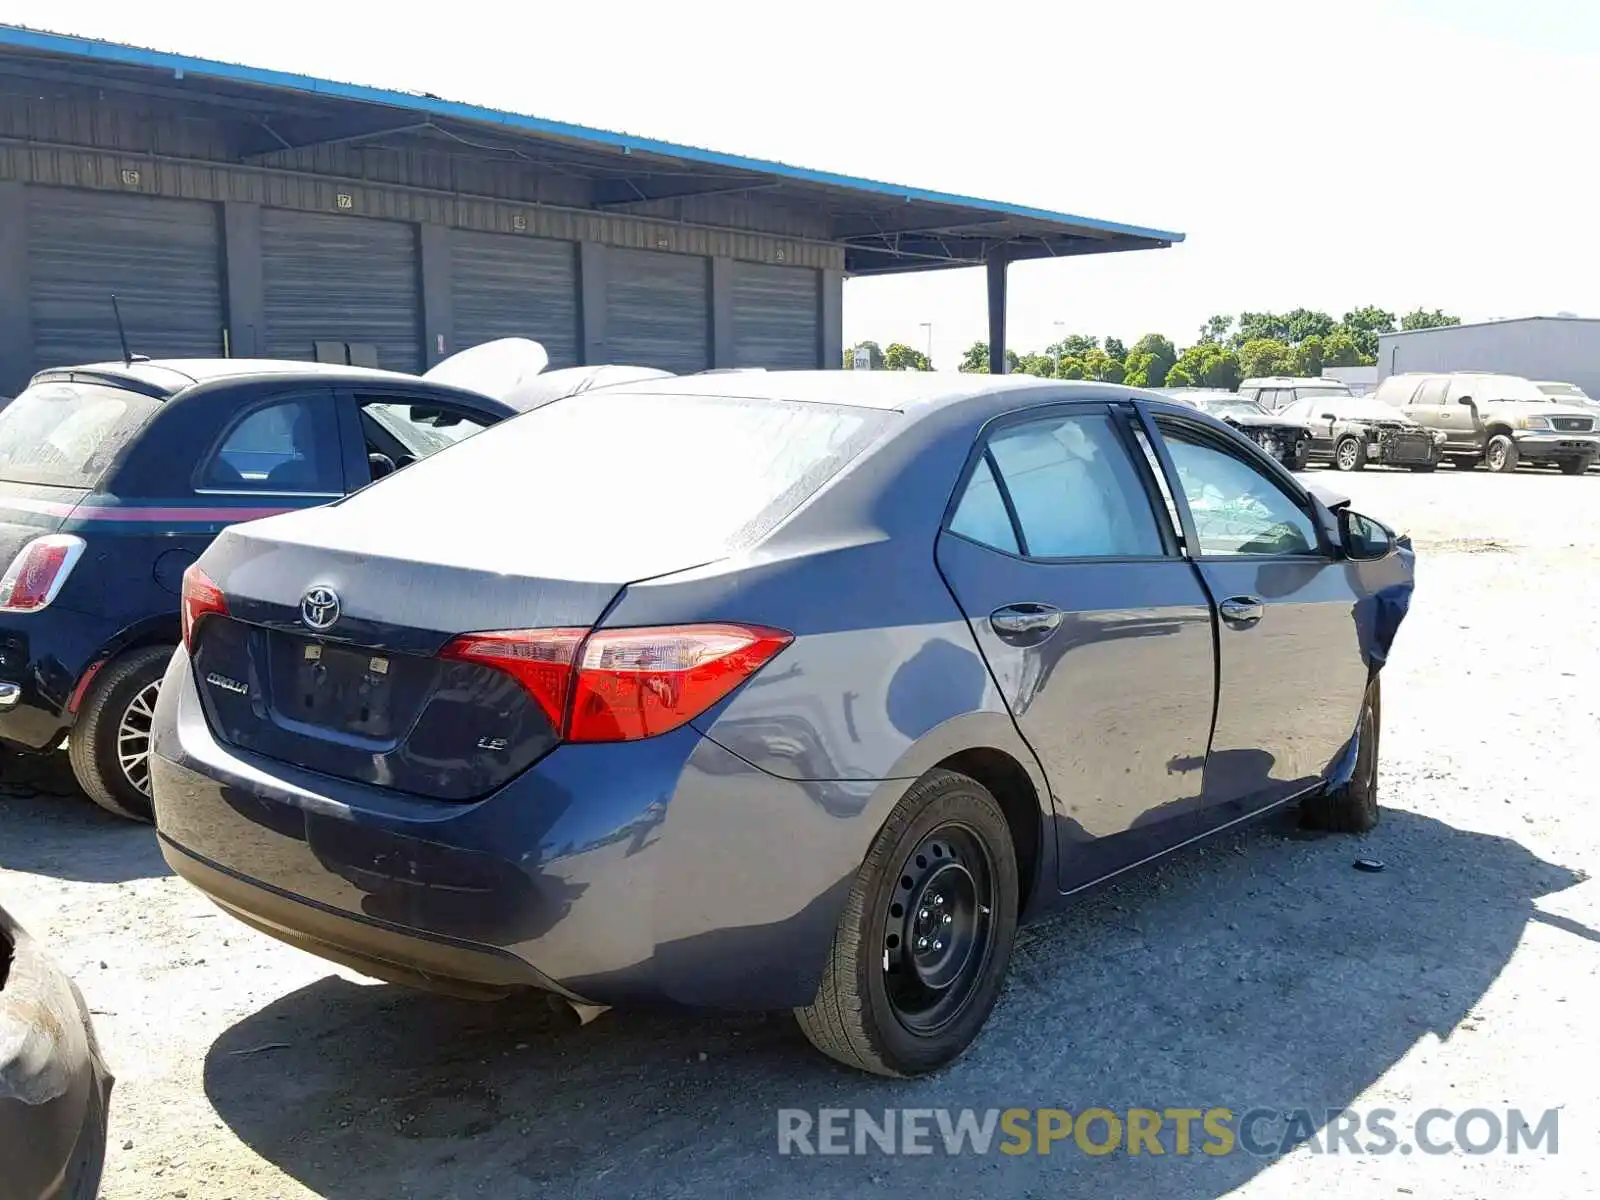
1350	454
892	1002
1297	462
1465	462
115	714
1353	806
1500	455
1574	466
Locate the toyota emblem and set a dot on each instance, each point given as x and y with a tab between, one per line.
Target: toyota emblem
319	608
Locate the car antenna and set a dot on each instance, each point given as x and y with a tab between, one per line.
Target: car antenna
122	334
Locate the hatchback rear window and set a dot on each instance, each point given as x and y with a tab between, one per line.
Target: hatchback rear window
611	472
67	434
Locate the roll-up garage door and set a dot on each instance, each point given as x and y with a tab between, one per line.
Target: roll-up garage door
658	310
775	316
327	278
160	258
506	286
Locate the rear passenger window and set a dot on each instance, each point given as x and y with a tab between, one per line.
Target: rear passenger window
1075	490
1432	391
981	515
291	446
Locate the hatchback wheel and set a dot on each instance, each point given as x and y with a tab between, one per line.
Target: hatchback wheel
1350	454
922	947
110	743
1353	808
1501	454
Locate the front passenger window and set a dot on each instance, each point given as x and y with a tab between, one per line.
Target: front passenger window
1237	508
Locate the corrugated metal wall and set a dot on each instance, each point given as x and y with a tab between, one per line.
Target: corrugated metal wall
1558	348
160	258
658	310
507	286
341	279
775	314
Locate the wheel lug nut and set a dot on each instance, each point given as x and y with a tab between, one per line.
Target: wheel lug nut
948	918
922	943
923	914
938	945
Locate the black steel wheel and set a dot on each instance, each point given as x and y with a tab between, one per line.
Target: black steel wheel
923	944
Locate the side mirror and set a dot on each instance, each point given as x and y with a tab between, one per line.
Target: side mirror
1468	401
436	417
1329	417
380	465
1363	538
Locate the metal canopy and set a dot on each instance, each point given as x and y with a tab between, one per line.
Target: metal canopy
884	228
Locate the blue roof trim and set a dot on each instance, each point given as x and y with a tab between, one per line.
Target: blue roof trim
16	37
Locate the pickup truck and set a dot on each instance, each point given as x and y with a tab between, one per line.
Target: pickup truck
1498	420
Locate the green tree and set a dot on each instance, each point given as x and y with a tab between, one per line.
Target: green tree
900	357
1136	370
1421	319
1071	368
1209	364
1162	354
1305	323
976	360
1042	365
1308	356
1178	377
1339	349
1115	348
1364	325
1216	328
1074	345
1265	356
1097	364
871	347
1262	326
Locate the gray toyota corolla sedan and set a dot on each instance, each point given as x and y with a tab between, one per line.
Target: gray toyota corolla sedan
768	691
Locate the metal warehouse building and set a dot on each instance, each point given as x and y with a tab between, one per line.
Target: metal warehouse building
1557	348
247	212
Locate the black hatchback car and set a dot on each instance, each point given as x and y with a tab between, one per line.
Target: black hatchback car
113	479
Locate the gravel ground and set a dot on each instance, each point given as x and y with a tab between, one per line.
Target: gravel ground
1259	970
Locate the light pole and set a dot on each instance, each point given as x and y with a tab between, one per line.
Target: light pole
1059	325
928	325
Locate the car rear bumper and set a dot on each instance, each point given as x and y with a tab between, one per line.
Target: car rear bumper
43	656
54	1085
667	870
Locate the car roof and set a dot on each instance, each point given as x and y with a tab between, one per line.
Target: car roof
167	377
1293	381
889	391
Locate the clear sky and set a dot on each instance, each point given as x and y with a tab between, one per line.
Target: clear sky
1399	152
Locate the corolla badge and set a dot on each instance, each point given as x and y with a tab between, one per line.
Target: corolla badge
228	685
319	607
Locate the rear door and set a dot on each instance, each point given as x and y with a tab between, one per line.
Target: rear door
1098	633
1291	668
1310	414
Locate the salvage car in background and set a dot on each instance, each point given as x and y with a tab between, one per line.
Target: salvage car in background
113	479
1352	431
1276	392
667	746
55	1089
1287	440
1502	421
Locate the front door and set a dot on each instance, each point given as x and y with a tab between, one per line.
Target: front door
1291	660
1098	633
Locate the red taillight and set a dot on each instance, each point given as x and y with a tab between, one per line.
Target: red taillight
619	685
38	571
200	598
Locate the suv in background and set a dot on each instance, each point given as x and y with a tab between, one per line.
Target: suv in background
1498	420
1275	392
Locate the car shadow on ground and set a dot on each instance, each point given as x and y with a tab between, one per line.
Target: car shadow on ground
1258	970
49	827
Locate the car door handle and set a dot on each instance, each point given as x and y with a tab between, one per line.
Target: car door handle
1241	610
1025	624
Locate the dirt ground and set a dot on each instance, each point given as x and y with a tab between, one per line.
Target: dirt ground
1259	970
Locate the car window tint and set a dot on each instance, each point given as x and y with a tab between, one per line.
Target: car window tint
981	515
67	434
289	446
1075	489
1237	508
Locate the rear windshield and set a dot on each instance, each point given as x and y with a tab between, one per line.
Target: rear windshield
686	477
67	434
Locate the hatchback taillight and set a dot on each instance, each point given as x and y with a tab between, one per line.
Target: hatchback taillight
201	597
35	576
621	685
